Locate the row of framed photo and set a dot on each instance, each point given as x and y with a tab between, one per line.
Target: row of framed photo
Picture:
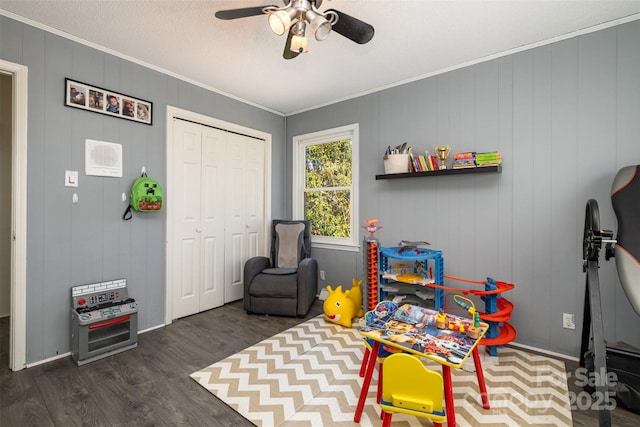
92	98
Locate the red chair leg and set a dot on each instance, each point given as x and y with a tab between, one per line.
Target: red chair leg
386	419
365	359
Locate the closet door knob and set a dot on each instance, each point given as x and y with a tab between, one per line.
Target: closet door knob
198	230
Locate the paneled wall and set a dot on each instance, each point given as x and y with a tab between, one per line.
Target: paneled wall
73	244
566	117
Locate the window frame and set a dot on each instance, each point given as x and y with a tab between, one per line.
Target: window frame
300	143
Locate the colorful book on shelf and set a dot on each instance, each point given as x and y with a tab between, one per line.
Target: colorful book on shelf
415	164
490	158
490	155
465	156
423	163
464	163
433	161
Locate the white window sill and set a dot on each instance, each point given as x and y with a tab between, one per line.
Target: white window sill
337	247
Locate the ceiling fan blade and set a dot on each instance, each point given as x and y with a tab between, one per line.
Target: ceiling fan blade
352	28
242	12
288	53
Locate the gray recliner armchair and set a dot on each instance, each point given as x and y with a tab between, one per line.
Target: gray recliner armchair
286	283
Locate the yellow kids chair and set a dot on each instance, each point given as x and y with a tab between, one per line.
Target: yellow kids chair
410	388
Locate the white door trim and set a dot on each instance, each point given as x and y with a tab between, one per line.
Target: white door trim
174	112
18	329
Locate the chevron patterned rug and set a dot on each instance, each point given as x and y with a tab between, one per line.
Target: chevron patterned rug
308	376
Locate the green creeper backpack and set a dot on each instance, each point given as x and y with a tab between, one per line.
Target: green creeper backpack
146	196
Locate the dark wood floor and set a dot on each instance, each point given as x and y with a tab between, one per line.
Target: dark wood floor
150	385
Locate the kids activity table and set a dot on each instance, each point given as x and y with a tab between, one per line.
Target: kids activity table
413	330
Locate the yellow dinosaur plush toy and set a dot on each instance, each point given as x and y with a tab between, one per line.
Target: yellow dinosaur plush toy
341	307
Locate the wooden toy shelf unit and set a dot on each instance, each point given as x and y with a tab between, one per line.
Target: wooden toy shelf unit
483	169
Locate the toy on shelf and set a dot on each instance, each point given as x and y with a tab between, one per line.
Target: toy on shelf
406	245
341	307
371	261
400	272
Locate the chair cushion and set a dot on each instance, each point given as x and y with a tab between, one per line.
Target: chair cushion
288	243
274	286
279	271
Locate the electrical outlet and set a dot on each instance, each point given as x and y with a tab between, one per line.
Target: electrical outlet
321	274
568	321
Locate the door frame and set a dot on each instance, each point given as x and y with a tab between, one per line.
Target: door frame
18	287
178	113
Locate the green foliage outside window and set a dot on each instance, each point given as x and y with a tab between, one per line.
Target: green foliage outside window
327	201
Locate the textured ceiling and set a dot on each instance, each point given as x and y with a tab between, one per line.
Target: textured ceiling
243	58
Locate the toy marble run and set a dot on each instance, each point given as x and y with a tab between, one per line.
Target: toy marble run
497	310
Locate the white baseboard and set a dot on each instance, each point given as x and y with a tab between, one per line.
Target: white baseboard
43	361
547	352
60	356
162	325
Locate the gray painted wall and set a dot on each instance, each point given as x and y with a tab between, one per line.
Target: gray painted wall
71	244
565	116
579	99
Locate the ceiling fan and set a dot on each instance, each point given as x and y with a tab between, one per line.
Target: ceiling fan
294	17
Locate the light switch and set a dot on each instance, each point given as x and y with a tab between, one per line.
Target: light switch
70	178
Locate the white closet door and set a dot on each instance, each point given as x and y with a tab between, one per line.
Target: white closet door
198	237
244	214
218	214
235	217
255	197
212	218
186	211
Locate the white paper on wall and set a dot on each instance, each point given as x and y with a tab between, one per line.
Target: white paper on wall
103	158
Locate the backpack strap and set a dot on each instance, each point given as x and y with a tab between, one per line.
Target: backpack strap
127	214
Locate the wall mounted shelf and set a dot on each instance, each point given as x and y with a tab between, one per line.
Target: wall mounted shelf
483	169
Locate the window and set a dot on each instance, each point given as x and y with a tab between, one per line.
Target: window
325	190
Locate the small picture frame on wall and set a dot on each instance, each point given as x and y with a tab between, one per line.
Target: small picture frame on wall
103	101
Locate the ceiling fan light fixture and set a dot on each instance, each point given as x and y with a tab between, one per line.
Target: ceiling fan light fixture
298	39
280	20
320	27
293	17
298	44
